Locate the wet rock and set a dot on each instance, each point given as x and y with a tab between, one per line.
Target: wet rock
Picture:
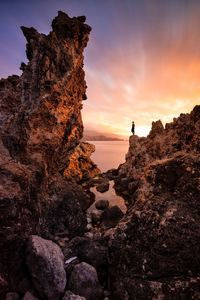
111	217
102	204
84	282
12	296
29	296
70	296
46	267
103	187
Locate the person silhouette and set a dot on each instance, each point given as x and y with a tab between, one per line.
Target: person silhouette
133	128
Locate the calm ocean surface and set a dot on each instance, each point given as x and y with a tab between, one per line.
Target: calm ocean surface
109	154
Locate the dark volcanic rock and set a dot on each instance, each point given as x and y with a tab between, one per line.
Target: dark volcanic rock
155	249
102	204
46	266
92	251
40	132
103	187
84	282
111	217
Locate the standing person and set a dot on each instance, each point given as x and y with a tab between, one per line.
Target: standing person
133	128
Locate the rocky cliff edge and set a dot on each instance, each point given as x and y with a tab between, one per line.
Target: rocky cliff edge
40	133
155	248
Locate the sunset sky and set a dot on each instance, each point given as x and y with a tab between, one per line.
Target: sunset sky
142	62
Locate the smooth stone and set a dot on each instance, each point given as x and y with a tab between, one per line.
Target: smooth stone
45	262
111	216
84	282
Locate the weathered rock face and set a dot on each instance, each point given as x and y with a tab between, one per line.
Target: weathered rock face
80	166
40	130
155	248
182	135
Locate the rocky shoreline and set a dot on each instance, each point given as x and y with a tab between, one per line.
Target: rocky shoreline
52	246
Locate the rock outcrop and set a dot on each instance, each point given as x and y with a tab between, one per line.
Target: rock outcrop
40	131
155	248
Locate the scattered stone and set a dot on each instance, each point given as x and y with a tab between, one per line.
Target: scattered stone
29	296
111	217
70	296
103	187
84	281
12	296
46	266
102	204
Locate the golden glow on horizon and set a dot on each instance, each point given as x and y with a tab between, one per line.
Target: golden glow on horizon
142	86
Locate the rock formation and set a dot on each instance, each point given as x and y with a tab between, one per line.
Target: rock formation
155	248
40	133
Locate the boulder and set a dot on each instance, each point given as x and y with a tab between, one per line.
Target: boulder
103	187
111	217
70	296
84	282
45	262
92	251
102	204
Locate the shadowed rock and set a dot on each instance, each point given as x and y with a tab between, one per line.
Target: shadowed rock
84	282
46	266
155	248
40	131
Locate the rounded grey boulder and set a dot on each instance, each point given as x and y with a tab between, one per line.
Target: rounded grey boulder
84	282
45	262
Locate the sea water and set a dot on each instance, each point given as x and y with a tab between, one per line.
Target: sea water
109	155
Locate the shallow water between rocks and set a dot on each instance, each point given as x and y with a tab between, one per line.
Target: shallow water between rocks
109	155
